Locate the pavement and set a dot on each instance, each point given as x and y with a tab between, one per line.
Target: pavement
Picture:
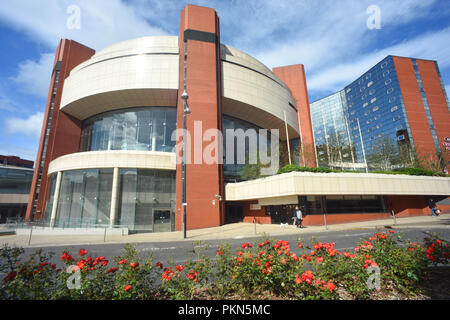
228	231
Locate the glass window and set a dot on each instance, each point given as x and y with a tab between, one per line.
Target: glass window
144	128
234	171
142	192
85	198
15	181
49	202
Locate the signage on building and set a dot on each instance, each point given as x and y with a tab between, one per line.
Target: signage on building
255	206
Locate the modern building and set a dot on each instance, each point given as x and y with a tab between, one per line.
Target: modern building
15	183
109	153
394	115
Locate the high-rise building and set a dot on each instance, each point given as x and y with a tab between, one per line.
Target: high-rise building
395	115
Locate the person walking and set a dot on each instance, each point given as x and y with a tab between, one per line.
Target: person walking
432	206
294	217
299	216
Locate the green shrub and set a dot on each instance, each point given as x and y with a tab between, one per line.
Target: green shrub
267	269
407	171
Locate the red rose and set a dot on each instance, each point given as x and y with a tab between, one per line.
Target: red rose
113	269
127	287
66	257
82	252
329	286
179	268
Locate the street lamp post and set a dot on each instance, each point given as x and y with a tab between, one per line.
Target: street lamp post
186	111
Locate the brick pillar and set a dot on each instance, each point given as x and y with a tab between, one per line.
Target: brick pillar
199	32
415	110
294	77
60	133
437	104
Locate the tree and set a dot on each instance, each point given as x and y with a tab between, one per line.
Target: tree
382	155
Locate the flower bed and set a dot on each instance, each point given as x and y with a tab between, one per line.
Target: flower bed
267	269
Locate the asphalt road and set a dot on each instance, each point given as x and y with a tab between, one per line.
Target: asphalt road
179	252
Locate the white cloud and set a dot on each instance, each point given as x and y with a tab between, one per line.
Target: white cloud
314	33
34	77
6	104
329	37
30	126
432	45
102	22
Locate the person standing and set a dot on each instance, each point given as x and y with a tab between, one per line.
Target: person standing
299	216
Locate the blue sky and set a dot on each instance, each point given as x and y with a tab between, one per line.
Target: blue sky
330	37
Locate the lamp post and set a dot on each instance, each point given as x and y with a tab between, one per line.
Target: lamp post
186	111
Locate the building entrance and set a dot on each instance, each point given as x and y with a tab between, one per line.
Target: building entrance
162	220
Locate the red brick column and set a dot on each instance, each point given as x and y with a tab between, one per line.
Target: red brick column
294	77
436	103
199	29
64	130
420	130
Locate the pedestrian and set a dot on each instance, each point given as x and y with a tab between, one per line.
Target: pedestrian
299	216
432	206
294	217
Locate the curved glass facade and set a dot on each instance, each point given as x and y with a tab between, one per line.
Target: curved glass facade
84	198
236	171
146	199
143	128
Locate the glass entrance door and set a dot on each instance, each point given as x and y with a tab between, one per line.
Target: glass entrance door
161	220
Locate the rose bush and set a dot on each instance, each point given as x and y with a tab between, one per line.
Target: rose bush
262	270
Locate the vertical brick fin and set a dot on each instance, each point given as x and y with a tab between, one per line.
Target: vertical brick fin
436	103
203	84
64	131
415	110
294	77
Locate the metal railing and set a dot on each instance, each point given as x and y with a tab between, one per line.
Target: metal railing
21	223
